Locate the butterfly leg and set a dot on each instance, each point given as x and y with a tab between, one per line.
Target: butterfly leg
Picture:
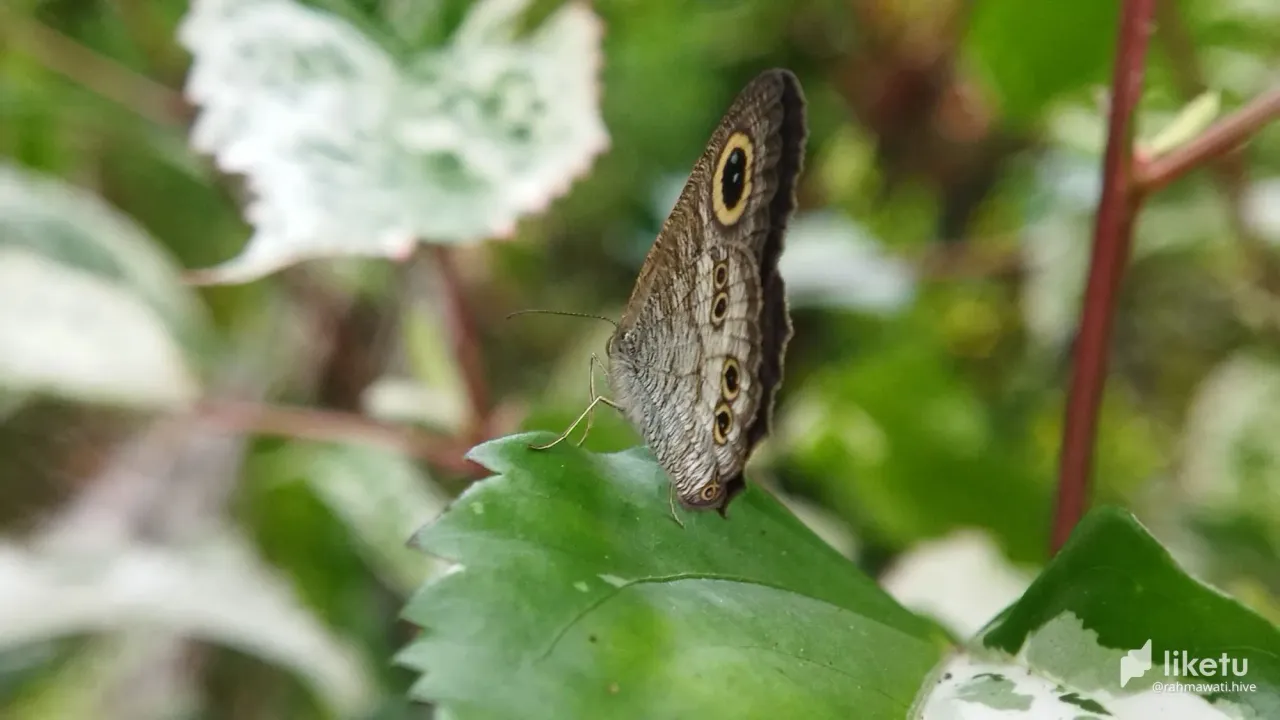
591	414
586	414
671	500
574	424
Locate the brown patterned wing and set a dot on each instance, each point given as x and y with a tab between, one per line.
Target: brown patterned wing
697	358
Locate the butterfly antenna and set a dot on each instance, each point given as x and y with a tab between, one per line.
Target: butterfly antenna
563	312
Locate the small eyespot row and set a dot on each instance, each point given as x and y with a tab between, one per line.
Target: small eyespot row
719	308
709	492
730	378
723	423
720	276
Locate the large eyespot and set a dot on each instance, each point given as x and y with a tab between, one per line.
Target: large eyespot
731	185
720	275
730	378
719	308
709	493
723	423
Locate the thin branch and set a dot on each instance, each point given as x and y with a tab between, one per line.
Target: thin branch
95	72
335	426
1111	241
466	340
1221	137
1257	277
1181	52
1229	171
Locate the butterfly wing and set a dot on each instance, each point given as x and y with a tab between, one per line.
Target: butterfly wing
698	354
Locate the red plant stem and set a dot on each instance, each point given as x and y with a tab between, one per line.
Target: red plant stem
466	341
1111	240
335	426
1220	138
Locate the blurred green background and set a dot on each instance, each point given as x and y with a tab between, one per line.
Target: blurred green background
936	267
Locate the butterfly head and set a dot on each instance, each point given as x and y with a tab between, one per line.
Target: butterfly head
623	342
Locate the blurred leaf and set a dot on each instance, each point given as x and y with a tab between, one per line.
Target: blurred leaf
1235	41
382	498
1057	258
1261	208
897	441
433	365
89	306
1109	591
1231	444
1057	240
824	523
348	153
411	20
576	595
1194	117
11	402
962	580
1034	53
101	680
67	332
404	400
829	261
218	592
1080	129
77	229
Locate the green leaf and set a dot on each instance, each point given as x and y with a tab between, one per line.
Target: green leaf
1034	52
379	495
1112	589
576	595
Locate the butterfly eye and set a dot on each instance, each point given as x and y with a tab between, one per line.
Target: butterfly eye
729	378
719	308
724	421
731	186
721	275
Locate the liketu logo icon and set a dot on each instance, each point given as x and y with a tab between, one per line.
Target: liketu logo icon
1135	664
1182	664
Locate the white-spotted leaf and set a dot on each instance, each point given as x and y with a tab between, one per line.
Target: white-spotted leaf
347	151
90	307
218	592
1113	592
